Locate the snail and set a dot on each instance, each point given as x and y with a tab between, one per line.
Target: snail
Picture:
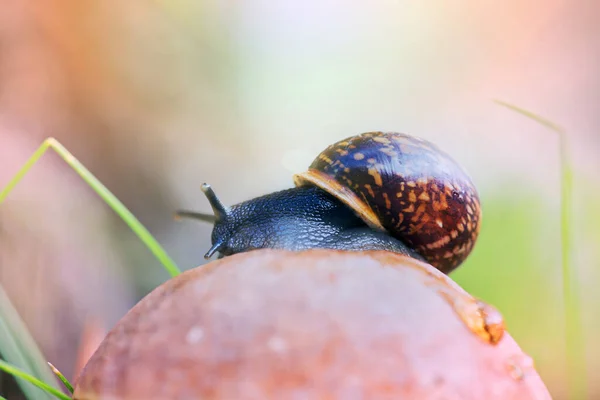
295	301
373	191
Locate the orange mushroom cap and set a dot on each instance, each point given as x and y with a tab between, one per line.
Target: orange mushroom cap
318	324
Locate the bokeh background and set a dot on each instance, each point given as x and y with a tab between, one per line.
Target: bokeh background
156	97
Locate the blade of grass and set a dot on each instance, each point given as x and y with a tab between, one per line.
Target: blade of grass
18	347
33	380
576	361
103	192
62	378
16	344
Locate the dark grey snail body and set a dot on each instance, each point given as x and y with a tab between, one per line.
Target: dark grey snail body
374	191
294	219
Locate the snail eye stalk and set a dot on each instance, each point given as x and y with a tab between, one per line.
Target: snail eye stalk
220	212
219	209
195	215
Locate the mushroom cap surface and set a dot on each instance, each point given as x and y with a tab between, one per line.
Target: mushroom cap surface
317	324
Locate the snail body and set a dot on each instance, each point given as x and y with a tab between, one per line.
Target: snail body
373	191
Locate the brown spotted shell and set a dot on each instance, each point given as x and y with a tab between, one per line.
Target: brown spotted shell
406	186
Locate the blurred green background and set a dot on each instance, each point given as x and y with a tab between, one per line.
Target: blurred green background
157	97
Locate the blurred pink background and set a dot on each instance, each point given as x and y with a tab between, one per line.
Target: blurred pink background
156	97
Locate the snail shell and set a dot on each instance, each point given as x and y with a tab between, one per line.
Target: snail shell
406	186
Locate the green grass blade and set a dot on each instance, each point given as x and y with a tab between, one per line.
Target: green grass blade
9	369
16	344
62	378
19	175
103	192
546	122
18	347
576	360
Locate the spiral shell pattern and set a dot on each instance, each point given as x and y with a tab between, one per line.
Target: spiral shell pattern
406	186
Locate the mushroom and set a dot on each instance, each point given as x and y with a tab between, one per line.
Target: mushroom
316	324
